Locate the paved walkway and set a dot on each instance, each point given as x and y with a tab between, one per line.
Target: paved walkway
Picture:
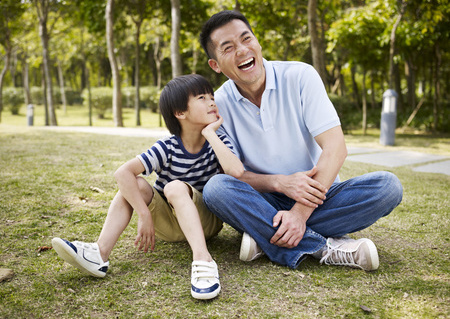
428	163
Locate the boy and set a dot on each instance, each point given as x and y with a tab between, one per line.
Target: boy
173	208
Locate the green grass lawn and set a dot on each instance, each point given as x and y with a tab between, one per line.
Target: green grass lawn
46	179
78	115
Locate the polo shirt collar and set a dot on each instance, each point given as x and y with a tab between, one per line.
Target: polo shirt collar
270	80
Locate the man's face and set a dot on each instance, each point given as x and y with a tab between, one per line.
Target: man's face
237	54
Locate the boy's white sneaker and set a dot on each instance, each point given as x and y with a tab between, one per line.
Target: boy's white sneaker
204	280
85	256
361	253
249	249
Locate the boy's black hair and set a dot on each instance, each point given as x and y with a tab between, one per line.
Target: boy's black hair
216	21
175	96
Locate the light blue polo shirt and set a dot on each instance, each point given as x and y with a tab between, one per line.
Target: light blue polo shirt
278	138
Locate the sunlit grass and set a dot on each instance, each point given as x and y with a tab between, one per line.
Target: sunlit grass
78	115
46	180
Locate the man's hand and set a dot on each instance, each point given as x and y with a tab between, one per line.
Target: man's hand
292	228
302	188
146	233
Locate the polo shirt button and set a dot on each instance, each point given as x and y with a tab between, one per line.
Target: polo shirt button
257	113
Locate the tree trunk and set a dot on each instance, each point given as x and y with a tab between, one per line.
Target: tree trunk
42	12
411	80
195	55
175	39
355	87
88	87
43	32
437	93
372	89
26	81
12	67
157	57
61	86
392	42
137	83
398	87
117	93
2	76
237	6
316	42
364	104
44	95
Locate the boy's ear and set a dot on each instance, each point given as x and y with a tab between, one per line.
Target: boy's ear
180	115
214	65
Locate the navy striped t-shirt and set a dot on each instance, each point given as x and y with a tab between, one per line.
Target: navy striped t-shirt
171	161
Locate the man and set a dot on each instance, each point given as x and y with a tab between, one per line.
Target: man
290	202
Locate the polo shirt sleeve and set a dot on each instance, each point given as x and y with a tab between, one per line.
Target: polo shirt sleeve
318	111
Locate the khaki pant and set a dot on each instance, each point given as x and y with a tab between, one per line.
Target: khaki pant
166	223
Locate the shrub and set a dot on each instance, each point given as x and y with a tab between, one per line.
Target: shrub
13	98
347	110
149	97
73	97
101	99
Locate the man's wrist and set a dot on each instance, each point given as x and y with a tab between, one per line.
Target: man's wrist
302	211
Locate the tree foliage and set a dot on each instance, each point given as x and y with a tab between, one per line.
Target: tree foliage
354	37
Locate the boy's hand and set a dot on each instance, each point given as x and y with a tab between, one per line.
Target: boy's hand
146	233
214	126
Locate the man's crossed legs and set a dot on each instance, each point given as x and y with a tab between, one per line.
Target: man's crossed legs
350	206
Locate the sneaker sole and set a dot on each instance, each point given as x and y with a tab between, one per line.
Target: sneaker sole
206	296
244	253
70	256
373	255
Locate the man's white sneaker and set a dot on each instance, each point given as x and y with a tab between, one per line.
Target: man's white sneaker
85	256
249	249
204	280
361	253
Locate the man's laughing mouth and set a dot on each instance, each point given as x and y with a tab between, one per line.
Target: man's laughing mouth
247	64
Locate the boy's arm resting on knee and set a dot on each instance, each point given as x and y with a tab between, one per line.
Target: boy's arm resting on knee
126	180
229	162
126	177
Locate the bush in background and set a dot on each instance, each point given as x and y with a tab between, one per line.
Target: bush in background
149	96
13	98
101	100
73	97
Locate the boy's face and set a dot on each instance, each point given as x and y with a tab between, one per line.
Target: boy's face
202	110
237	54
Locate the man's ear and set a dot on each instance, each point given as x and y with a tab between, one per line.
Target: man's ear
214	65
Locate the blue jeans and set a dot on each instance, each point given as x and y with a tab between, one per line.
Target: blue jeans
350	206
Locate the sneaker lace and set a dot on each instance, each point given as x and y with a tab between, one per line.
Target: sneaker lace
336	256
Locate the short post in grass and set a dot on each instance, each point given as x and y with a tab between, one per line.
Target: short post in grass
30	114
388	117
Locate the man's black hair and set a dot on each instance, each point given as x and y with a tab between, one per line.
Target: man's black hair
216	21
175	96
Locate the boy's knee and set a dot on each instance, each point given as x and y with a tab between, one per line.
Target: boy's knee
175	188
